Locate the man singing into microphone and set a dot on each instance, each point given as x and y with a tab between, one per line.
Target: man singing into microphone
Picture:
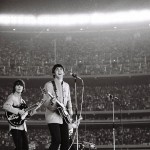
57	125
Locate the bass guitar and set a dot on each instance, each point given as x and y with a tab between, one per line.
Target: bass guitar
62	110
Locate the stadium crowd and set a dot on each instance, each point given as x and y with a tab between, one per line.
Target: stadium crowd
100	136
126	97
101	53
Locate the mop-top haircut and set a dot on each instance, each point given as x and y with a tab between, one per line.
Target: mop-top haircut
19	82
56	66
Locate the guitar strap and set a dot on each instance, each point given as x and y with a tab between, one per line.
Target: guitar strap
55	90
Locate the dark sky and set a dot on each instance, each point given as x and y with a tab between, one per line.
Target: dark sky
69	6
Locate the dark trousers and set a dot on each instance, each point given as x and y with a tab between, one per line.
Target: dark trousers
20	139
59	136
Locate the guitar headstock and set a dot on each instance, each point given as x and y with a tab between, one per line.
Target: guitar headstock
45	92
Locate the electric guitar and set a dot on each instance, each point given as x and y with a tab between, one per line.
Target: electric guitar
17	119
62	110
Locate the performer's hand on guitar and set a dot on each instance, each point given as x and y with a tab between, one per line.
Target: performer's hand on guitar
74	125
77	122
21	111
53	101
50	97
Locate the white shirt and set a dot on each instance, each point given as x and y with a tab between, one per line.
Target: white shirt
12	101
62	94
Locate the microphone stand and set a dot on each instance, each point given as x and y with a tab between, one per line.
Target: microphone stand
121	123
76	110
113	104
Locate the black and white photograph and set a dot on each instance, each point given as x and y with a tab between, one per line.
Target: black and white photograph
74	74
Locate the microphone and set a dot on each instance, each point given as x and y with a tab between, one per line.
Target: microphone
75	75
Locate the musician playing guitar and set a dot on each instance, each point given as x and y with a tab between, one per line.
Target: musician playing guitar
12	104
58	91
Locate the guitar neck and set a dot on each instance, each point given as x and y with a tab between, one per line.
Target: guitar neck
57	101
31	107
